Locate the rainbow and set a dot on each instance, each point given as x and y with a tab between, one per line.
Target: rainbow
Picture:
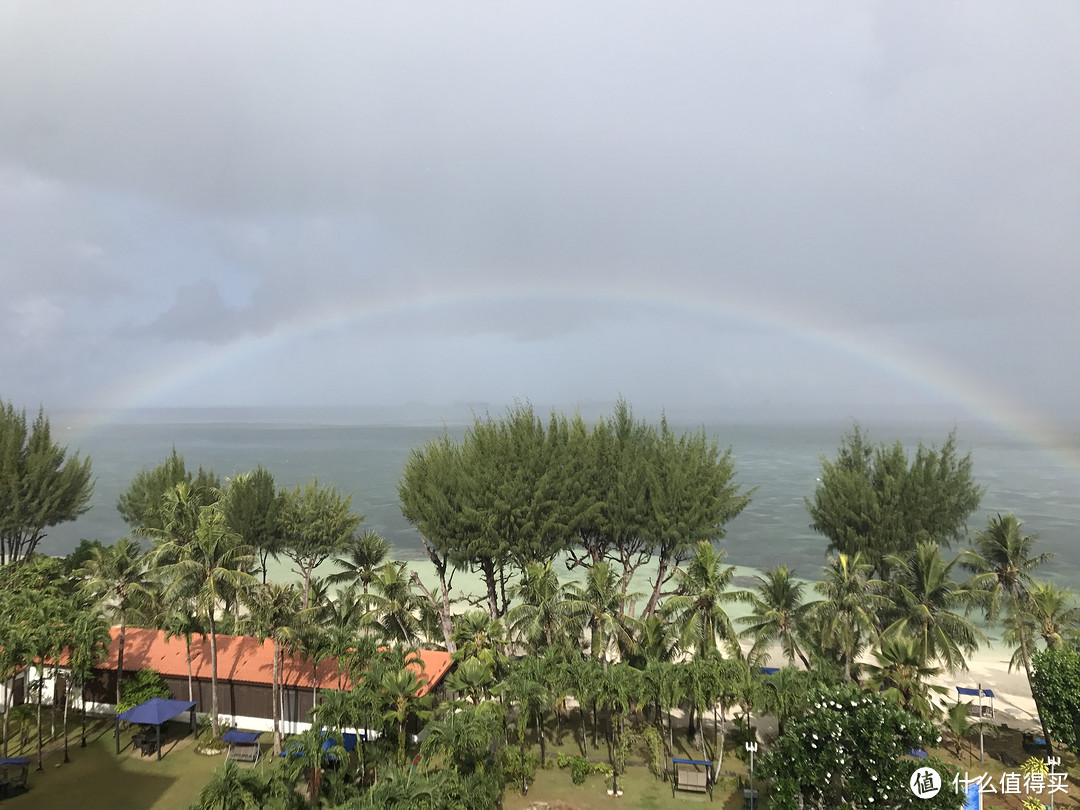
981	400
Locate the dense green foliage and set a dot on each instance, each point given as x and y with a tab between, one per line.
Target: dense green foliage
873	500
145	684
846	750
623	493
513	501
141	505
1055	683
40	486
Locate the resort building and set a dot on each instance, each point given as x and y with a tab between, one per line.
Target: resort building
245	677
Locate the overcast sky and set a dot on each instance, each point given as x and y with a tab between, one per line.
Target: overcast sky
737	205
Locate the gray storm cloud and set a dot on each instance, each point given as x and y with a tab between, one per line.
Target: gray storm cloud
176	180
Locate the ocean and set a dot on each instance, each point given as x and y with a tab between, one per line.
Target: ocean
781	459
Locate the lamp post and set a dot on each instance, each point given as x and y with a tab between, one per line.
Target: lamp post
751	747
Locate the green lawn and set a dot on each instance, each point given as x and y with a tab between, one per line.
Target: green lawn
98	779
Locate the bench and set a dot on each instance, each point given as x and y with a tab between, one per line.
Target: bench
690	780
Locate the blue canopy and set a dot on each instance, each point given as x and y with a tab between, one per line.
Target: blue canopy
703	763
769	670
970	690
918	753
329	740
349	742
236	736
17	761
155	711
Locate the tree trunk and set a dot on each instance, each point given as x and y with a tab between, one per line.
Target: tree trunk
190	689
82	742
7	710
275	691
40	695
213	677
120	656
1027	669
654	597
540	734
67	701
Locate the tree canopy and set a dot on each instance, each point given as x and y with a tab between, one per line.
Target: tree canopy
141	505
622	492
40	486
873	499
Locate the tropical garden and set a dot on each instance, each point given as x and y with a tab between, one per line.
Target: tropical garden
607	637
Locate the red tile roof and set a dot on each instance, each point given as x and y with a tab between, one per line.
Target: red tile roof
244	659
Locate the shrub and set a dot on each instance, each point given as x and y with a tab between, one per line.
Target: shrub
580	769
145	685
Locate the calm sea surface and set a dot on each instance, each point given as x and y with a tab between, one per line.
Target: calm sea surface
781	460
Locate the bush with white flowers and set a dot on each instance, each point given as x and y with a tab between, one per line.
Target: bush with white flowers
849	749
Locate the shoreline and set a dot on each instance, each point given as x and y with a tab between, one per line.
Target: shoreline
988	666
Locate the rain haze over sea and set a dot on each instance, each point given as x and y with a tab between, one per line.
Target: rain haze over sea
780	457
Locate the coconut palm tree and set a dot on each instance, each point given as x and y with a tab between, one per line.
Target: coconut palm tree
597	605
117	575
845	620
1050	612
272	612
210	566
903	672
182	621
540	604
926	600
393	604
697	606
365	555
89	646
778	612
1003	563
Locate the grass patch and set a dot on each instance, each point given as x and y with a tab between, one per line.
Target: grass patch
103	780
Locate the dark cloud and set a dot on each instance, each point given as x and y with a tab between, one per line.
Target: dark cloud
240	172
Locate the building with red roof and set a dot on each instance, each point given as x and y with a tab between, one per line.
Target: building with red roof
245	676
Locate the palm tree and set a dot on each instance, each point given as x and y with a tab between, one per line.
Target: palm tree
786	692
231	788
400	690
539	607
598	606
846	618
366	554
472	678
182	621
778	612
902	673
305	754
272	613
117	575
14	650
698	603
212	565
926	599
463	738
89	646
1051	612
394	604
525	687
1003	564
478	635
959	725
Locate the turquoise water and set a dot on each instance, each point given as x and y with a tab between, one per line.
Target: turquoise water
782	460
